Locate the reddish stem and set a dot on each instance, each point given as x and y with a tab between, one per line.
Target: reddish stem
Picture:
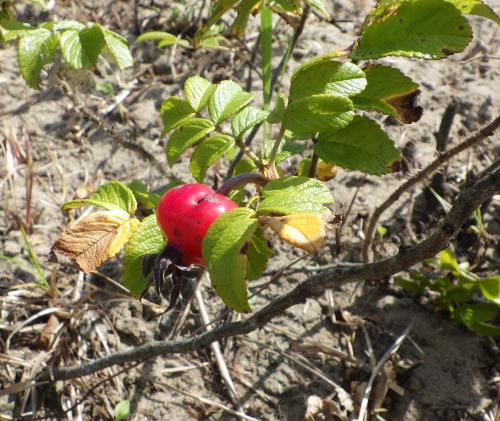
242	179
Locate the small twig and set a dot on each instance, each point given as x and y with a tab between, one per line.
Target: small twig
314	165
395	346
240	180
219	357
482	134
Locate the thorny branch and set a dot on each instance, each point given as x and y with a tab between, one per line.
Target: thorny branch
482	134
487	185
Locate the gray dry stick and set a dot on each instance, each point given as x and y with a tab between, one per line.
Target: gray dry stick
487	185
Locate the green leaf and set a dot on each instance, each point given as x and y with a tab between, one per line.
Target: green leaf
277	114
185	136
227	99
447	261
218	9
362	145
197	90
389	92
490	287
293	194
111	196
289	149
318	113
486	329
477	8
35	49
122	410
68	24
174	112
473	314
258	254
414	288
266	53
11	29
427	29
327	77
245	165
118	48
81	49
39	3
247	118
165	38
146	239
147	199
244	9
207	152
222	250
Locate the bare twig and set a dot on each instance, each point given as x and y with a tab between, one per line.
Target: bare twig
487	184
420	176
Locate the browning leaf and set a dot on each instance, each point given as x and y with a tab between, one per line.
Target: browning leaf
303	230
325	171
405	105
95	238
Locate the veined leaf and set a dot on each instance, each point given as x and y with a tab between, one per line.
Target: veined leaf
174	112
95	238
277	114
197	90
81	48
317	113
326	77
118	48
389	92
11	29
222	250
207	152
112	196
185	136
36	49
247	118
477	8
289	195
227	99
427	29
362	145
146	239
258	254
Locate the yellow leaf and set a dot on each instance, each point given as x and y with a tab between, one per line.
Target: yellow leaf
326	171
304	230
95	238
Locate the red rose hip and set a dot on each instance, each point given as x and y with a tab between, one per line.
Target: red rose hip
185	213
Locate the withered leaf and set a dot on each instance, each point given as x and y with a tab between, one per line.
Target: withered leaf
95	238
326	171
405	105
303	230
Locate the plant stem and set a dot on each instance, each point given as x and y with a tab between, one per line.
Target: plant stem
271	165
242	179
248	152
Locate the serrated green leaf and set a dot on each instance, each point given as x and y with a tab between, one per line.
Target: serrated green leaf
490	287
362	145
247	118
293	194
112	196
174	111
147	199
477	8
81	49
258	254
207	152
122	410
35	49
227	99
427	29
68	24
185	136
327	77
289	149
118	48
389	92
317	113
222	250
146	239
197	90
11	29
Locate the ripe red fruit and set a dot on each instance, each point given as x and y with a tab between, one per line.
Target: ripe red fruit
185	213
